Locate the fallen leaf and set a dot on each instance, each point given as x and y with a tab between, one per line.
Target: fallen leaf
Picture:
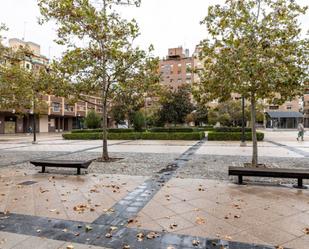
152	235
140	236
200	220
306	230
108	235
38	230
70	247
170	247
174	225
126	247
236	216
88	228
195	242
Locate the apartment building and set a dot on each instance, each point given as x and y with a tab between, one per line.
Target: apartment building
59	116
176	68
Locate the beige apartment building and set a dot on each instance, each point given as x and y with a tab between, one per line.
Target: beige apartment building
59	116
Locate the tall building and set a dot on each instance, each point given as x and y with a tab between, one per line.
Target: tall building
176	68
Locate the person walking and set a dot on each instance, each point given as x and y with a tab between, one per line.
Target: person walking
301	131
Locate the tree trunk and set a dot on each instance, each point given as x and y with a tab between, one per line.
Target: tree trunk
105	156
254	139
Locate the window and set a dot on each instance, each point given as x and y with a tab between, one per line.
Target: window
56	107
289	107
68	108
273	107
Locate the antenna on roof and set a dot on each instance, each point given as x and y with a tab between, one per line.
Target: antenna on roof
24	35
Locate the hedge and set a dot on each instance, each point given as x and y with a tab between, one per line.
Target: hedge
233	136
171	129
116	130
231	129
137	135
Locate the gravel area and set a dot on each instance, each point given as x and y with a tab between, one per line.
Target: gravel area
143	164
216	167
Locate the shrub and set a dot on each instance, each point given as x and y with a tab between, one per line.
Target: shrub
92	120
173	135
231	129
116	130
138	121
171	129
232	136
137	135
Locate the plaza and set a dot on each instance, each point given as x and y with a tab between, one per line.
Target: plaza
159	194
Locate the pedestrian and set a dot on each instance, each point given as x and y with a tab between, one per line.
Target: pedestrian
301	131
29	130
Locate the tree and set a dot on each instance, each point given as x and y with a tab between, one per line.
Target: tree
255	50
106	59
176	105
93	120
129	96
201	114
22	89
138	121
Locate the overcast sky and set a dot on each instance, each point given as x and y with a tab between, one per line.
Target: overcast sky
163	23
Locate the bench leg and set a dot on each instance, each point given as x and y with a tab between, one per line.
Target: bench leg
300	184
78	171
240	180
43	169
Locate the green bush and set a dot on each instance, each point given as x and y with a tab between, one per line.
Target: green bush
138	121
231	129
173	135
87	131
232	136
137	135
112	130
93	120
171	129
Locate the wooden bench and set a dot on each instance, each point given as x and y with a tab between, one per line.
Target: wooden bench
62	164
298	174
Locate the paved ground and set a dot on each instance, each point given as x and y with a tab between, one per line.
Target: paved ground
193	205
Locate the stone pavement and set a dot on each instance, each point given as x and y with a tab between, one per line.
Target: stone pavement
143	201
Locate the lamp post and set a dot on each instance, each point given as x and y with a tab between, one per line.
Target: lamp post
34	125
243	137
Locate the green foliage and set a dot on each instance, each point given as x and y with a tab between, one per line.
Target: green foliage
254	49
231	129
21	88
176	105
137	135
201	114
232	136
171	129
138	121
93	120
111	130
108	64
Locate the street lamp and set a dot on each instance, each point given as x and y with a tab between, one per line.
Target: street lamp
243	137
34	126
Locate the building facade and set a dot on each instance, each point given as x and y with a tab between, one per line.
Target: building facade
59	116
176	68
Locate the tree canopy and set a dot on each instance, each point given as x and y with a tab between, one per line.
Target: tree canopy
101	58
255	49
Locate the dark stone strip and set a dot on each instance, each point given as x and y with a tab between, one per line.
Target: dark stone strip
75	232
290	148
134	202
57	155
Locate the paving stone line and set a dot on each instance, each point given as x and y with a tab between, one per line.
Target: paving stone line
134	202
60	154
75	232
290	148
